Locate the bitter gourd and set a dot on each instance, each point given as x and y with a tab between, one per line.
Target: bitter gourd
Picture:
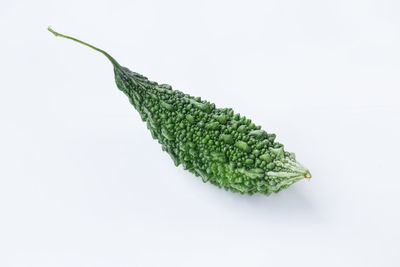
216	144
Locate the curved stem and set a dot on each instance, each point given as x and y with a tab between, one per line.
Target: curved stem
113	61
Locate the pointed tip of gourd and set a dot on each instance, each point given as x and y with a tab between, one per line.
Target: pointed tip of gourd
308	175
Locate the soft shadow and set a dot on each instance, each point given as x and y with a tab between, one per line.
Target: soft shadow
286	206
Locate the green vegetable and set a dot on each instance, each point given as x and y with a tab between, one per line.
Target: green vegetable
221	147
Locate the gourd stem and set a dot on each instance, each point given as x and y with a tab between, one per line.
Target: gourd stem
113	61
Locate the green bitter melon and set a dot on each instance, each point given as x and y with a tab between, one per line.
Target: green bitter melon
216	144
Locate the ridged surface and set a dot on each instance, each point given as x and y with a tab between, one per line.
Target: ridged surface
216	144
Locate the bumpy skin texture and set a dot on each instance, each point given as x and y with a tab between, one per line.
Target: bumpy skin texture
218	145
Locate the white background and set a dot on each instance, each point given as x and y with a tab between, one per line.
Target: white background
82	183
